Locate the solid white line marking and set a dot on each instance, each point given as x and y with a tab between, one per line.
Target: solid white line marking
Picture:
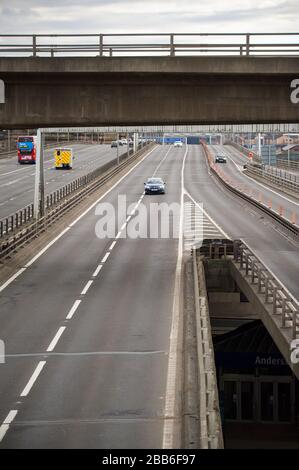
46	247
112	245
105	257
73	309
56	339
123	226
118	235
87	286
12	278
33	378
98	269
170	396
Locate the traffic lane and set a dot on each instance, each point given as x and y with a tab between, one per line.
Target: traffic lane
44	294
11	165
64	267
109	415
19	194
239	220
127	338
15	172
261	191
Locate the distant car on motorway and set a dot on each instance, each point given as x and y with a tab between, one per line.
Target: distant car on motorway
114	143
154	186
220	159
178	143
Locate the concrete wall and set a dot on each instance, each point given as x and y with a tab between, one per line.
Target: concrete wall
44	92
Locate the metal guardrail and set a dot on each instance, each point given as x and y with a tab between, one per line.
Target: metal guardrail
240	44
256	273
290	226
63	200
209	413
283	174
274	175
287	164
271	289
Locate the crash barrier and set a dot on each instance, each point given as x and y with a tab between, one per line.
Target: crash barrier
290	225
209	413
278	178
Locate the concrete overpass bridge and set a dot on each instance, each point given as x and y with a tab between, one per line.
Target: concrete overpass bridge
165	90
238	82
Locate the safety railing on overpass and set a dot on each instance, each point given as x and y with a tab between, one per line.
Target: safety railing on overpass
20	225
257	274
285	181
172	44
270	288
292	165
283	174
209	411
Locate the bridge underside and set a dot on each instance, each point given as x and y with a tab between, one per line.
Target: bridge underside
39	94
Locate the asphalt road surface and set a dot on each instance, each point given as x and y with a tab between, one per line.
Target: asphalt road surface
87	325
17	181
259	190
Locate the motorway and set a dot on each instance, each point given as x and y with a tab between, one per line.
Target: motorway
17	181
87	324
260	191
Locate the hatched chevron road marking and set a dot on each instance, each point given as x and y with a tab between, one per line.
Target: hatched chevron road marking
197	225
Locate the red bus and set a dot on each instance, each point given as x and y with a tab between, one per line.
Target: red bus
26	146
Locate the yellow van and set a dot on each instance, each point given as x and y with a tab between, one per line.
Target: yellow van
63	158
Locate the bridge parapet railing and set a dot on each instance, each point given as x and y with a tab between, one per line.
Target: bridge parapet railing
269	288
171	44
284	163
275	176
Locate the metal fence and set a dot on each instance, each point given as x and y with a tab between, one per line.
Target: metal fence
281	163
171	44
283	180
210	422
269	287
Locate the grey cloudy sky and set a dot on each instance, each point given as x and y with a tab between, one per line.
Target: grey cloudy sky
109	16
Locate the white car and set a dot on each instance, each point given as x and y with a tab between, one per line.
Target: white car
178	143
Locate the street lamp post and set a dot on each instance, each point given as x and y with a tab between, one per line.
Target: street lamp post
39	188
